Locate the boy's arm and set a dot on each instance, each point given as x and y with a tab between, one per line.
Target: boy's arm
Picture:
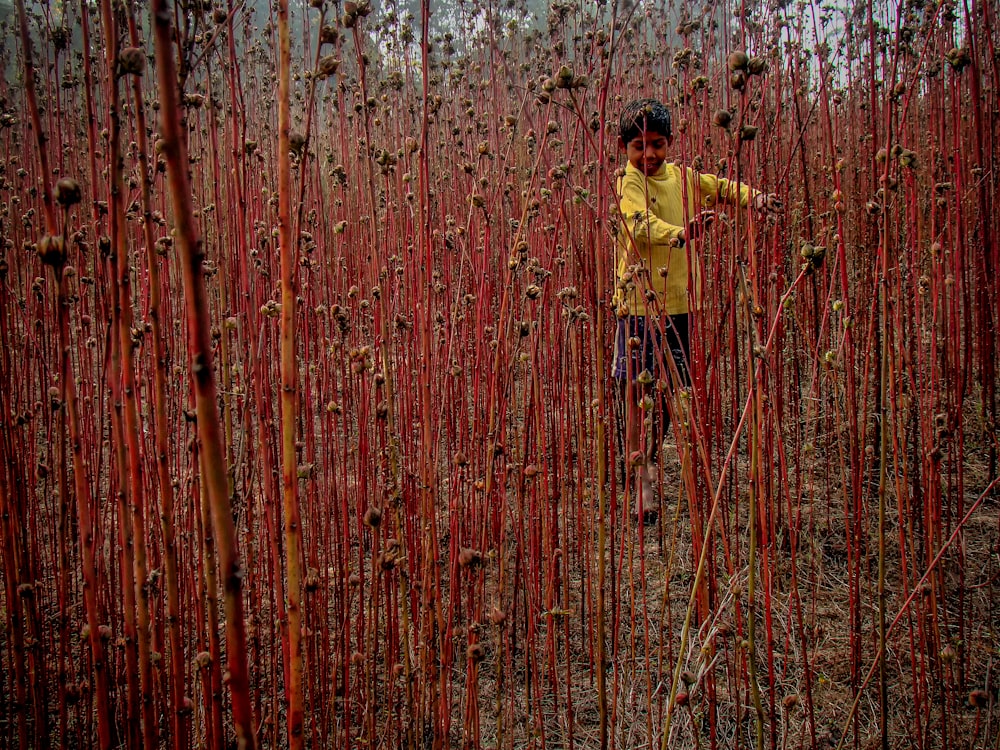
640	222
725	191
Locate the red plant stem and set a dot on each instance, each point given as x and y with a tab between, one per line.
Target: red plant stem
956	532
289	389
126	530
215	474
67	388
160	422
208	584
9	521
122	300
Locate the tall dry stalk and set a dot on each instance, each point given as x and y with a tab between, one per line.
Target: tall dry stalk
191	252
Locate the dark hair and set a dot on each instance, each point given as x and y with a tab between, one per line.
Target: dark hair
643	114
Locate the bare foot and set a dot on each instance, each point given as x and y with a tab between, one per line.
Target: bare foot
645	500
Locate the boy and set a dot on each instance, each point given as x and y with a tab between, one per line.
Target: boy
662	207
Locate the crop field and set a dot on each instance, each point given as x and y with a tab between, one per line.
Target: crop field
309	435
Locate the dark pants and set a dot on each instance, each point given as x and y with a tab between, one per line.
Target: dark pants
651	354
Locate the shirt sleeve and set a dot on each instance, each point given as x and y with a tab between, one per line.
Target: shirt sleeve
720	190
637	219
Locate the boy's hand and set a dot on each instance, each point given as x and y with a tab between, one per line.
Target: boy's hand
697	227
768	202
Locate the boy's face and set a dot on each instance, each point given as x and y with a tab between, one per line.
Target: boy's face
647	151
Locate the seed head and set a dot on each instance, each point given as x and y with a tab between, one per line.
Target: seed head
958	58
327	66
51	250
131	61
475	652
329	34
372	517
469	557
312	579
723	118
67	192
757	66
72	693
979	698
738	60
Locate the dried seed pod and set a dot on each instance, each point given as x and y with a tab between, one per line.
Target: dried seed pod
468	557
131	61
312	579
958	58
564	78
296	142
329	34
748	132
738	60
72	693
51	250
757	66
475	652
327	66
979	698
738	80
723	118
68	192
372	517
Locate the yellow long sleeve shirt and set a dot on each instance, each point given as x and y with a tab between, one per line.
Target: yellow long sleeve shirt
652	214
